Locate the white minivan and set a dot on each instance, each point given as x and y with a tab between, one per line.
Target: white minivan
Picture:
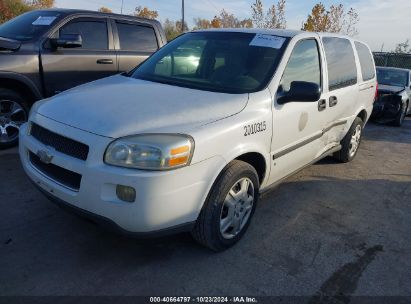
189	139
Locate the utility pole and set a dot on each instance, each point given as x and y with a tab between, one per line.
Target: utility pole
122	2
182	16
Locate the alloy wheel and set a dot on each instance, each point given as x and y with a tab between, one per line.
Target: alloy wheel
12	116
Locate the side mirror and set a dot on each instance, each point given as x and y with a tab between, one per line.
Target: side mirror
301	91
67	41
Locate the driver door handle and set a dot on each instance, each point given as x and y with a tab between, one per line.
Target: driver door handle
322	105
333	101
105	61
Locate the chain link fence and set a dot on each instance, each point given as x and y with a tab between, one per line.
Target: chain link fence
393	60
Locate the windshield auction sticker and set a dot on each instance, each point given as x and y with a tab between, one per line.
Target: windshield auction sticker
270	41
44	20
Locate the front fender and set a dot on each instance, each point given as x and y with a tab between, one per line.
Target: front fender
23	80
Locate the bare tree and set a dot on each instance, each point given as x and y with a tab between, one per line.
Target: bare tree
12	8
201	23
223	20
273	18
145	12
403	47
104	9
334	20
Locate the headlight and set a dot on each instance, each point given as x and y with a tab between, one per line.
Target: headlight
151	151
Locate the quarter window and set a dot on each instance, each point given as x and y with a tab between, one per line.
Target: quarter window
303	65
366	61
135	37
93	33
342	70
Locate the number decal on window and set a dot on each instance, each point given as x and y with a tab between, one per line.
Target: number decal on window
255	128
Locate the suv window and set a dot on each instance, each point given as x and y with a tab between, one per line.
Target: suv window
366	61
93	33
135	37
342	70
303	65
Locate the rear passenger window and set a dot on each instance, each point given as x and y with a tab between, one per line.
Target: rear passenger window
342	70
366	61
93	33
135	37
303	65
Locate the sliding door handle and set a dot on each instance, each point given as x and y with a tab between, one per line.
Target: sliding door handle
333	101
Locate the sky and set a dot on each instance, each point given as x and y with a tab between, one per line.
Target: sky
382	25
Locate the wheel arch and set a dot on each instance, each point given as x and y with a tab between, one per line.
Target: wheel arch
256	160
21	84
363	115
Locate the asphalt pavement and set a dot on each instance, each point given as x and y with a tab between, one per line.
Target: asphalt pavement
332	229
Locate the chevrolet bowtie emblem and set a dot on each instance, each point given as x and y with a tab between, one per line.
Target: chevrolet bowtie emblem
45	156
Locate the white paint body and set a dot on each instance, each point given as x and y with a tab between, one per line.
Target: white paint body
102	111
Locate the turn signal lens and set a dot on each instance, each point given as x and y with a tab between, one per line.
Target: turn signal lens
179	156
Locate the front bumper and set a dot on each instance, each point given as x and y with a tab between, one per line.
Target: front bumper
164	199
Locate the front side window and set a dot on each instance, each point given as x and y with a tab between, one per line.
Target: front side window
303	65
342	70
93	33
30	25
216	61
366	61
392	77
135	37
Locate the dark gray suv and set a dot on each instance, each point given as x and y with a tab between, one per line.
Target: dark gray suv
45	52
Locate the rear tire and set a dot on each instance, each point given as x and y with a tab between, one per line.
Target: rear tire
351	142
14	112
229	207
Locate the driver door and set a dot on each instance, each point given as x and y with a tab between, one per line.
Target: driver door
297	125
65	68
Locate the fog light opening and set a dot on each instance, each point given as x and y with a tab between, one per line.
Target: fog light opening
126	193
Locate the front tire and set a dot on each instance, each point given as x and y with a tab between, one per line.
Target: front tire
351	142
229	207
13	113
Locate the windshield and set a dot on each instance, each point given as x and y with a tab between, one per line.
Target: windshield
215	61
29	26
392	77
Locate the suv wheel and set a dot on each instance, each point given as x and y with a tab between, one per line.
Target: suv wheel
351	142
13	113
401	115
229	207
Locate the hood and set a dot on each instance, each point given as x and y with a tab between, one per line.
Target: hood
9	44
119	106
383	88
